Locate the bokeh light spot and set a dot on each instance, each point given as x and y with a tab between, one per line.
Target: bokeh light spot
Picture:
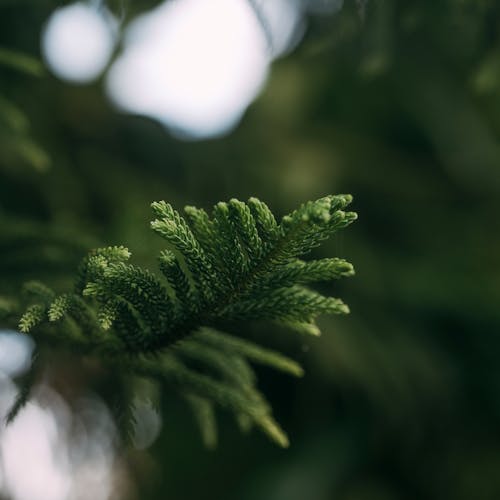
193	65
78	41
148	424
15	352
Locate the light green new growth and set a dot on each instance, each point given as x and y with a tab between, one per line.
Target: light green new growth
236	264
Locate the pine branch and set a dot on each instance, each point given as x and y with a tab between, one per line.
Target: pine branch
235	264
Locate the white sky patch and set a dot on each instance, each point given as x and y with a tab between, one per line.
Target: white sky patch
282	21
77	41
92	451
32	470
15	352
194	65
50	452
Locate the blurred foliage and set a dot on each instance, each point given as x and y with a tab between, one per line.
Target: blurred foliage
401	400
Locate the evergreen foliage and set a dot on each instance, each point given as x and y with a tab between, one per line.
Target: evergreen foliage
237	264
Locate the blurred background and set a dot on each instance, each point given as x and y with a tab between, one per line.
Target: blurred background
106	107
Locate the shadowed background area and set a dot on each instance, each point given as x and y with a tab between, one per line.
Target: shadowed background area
397	103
